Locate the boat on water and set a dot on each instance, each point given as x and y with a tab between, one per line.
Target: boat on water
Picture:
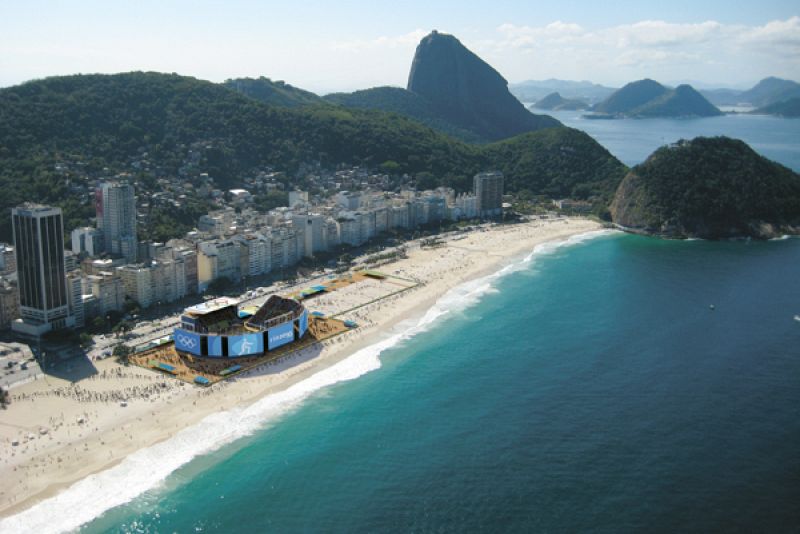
797	318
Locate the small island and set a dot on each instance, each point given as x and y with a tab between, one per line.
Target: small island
649	99
556	102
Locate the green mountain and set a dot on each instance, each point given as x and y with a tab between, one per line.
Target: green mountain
630	97
683	101
405	103
555	102
276	93
709	187
787	108
103	124
648	98
770	91
467	91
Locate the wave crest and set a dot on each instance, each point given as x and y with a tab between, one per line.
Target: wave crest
145	469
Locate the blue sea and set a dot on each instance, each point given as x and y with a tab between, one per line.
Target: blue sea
589	388
632	140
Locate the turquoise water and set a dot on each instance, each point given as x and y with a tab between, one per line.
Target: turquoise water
593	389
632	140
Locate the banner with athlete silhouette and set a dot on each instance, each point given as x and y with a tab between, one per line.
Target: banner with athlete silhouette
245	345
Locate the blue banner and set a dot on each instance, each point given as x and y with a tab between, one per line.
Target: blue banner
245	345
215	345
187	341
303	323
280	335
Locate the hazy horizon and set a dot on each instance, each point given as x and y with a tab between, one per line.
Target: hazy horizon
359	45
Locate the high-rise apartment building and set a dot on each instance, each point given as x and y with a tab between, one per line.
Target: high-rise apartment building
88	240
313	229
116	217
488	188
39	244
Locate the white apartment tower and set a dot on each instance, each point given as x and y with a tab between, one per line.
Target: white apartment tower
88	240
116	217
488	187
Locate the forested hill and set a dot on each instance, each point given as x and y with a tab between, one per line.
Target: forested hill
648	98
107	121
276	93
709	187
787	108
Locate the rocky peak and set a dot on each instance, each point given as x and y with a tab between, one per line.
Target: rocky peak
468	91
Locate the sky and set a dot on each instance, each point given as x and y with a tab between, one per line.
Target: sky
347	45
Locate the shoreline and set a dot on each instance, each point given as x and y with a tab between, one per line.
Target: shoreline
122	432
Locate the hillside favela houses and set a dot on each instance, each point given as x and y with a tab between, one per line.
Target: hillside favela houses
45	287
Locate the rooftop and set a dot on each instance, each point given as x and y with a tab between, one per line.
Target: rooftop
211	305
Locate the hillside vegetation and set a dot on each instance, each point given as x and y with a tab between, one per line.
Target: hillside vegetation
107	121
709	187
276	93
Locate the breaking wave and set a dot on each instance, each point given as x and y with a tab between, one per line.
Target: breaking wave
145	469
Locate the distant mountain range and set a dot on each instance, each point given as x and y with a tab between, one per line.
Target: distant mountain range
766	92
556	102
786	108
535	90
762	96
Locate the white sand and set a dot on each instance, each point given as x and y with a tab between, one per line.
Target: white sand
42	464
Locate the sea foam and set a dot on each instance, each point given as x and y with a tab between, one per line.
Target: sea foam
147	468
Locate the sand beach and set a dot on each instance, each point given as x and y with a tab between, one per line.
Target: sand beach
57	432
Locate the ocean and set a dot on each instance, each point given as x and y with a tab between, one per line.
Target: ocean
632	140
587	387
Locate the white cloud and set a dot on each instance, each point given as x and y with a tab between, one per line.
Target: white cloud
708	51
784	34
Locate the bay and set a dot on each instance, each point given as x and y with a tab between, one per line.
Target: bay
632	140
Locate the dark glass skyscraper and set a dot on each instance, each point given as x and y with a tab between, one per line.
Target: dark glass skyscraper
39	245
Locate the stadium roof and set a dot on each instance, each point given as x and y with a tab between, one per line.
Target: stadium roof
211	305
